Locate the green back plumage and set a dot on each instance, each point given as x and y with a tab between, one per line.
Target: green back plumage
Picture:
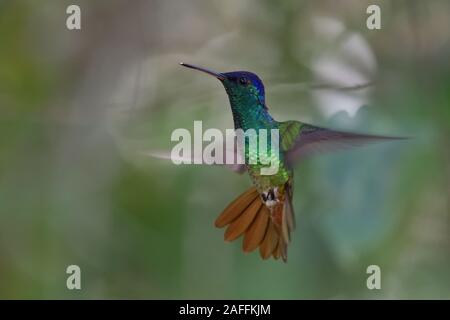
289	133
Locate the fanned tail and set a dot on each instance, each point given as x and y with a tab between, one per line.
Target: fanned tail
248	215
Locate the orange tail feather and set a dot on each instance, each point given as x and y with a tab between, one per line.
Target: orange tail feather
248	215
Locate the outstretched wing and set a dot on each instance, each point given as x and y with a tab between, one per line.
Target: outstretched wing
300	140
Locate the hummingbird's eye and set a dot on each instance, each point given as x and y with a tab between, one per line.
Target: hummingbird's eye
244	81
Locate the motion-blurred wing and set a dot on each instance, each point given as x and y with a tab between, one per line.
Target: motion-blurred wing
166	155
300	140
229	152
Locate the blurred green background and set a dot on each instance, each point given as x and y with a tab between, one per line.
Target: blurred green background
79	109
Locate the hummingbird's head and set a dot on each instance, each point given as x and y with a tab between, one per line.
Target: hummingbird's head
242	87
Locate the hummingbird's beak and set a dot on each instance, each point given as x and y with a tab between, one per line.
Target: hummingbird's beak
218	75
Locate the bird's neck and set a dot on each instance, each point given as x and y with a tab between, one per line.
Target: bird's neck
251	116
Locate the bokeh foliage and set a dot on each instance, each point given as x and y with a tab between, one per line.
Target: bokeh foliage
80	108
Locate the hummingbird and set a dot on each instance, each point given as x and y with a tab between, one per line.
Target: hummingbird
264	214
